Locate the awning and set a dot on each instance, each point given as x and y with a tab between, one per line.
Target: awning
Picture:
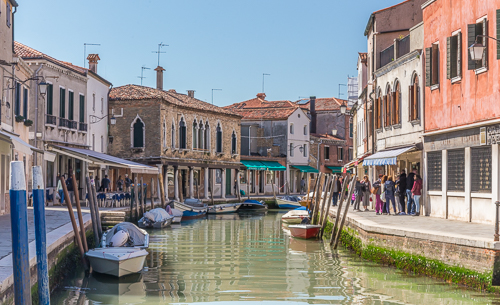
94	157
20	145
273	166
335	169
386	157
306	168
253	165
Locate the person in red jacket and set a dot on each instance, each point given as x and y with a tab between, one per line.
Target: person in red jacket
416	192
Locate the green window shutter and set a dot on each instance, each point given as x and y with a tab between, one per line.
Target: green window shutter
17	106
62	103
498	34
448	57
484	25
82	109
25	103
459	54
428	66
70	105
471	38
50	95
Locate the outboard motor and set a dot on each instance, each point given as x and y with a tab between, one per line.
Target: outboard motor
119	239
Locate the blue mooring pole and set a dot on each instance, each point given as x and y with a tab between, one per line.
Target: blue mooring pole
19	229
40	236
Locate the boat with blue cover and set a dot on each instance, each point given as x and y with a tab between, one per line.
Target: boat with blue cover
253	205
191	208
288	202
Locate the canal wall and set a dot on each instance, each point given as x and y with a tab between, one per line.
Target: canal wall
61	252
474	262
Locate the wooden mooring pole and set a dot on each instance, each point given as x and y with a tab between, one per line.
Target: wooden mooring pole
162	191
340	203
96	211
327	212
93	216
79	212
339	232
318	197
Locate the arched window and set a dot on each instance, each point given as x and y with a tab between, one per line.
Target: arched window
378	109
173	136
138	133
291	128
387	106
195	135
233	143
200	135
219	138
414	104
207	136
396	104
305	130
182	134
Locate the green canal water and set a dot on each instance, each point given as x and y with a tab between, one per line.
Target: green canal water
252	259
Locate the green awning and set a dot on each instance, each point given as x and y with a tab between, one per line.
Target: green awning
306	168
336	169
254	165
273	166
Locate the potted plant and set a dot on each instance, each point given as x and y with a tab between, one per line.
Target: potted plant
19	118
28	123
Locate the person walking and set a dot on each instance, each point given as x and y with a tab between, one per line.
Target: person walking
358	194
390	191
385	207
69	186
410	204
128	183
366	192
417	193
60	189
105	184
302	185
119	184
336	191
402	191
376	192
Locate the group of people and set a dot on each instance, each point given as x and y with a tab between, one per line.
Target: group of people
403	194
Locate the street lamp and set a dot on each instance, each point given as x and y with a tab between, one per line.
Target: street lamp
477	49
343	108
112	120
43	87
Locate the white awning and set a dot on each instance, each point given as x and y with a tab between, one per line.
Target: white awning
48	156
94	157
386	157
20	145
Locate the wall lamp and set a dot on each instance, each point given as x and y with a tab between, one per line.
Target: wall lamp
477	49
112	120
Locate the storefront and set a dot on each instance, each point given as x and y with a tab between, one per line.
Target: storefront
391	162
259	177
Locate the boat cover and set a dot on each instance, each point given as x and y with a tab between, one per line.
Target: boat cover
176	213
252	201
291	198
137	236
195	203
157	215
300	209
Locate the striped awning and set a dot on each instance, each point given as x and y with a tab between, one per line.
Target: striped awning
263	165
386	157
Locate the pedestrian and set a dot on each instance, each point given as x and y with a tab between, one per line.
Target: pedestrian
396	196
417	193
336	190
376	191
366	192
302	185
385	207
92	181
69	187
235	187
358	194
402	191
390	190
105	184
410	180
60	189
119	184
128	182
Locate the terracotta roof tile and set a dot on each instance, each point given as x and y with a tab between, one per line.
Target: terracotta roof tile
260	109
322	104
326	136
136	92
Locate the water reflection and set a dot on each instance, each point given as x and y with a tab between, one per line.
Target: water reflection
252	258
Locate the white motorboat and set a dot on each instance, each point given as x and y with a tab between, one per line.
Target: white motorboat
191	208
253	205
224	208
295	216
156	218
176	213
122	250
288	202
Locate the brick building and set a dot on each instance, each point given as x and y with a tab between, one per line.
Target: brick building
191	141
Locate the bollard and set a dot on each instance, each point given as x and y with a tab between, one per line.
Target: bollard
19	230
496	236
40	235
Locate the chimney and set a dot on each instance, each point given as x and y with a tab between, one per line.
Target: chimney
262	96
93	59
312	110
191	93
159	77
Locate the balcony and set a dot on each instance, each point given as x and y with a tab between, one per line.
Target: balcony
63	123
403	46
73	125
82	127
50	120
386	56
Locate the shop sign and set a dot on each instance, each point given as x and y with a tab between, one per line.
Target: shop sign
492	135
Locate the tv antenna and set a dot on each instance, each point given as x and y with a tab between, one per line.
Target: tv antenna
161	44
142	72
85	50
263	74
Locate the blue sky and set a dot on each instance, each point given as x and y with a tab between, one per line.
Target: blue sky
308	47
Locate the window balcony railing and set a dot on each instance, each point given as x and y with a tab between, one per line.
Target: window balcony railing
73	125
386	56
50	119
63	123
82	127
403	46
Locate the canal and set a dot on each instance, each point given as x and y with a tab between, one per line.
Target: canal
251	258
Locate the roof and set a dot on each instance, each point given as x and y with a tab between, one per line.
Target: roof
260	109
363	57
326	137
136	92
27	53
372	16
323	104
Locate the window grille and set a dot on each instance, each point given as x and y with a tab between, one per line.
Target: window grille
481	158
434	170
456	170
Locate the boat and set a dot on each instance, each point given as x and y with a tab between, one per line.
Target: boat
103	289
224	208
156	218
122	250
304	231
288	202
253	205
191	208
295	216
174	212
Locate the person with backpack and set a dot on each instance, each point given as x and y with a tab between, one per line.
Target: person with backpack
417	193
128	182
390	190
366	192
358	194
402	191
410	180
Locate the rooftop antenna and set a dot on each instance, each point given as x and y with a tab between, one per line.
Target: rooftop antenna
161	44
263	74
85	50
339	89
142	72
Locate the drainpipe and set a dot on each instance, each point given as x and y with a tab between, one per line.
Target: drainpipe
317	160
36	113
13	72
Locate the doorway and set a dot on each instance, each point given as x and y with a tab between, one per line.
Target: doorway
261	181
228	181
252	182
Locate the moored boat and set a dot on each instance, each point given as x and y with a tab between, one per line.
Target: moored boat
251	204
156	218
191	208
288	202
174	212
224	208
295	216
304	231
122	250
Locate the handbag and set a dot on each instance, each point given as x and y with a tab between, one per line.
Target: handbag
382	196
374	190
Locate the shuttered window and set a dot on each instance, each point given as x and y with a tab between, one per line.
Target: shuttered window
71	106
50	97
432	65
327	153
481	166
17	101
434	170
62	103
397	104
82	109
453	56
456	170
25	103
414	97
473	30
498	34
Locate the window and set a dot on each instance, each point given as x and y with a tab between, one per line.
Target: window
70	105
378	109
304	148
481	159
350	154
291	149
233	143
327	152
456	170
243	177
164	133
305	129
82	109
414	105
173	136
17	103
219	138
93	102
269	177
138	133
50	174
50	96
200	135
340	153
25	103
62	102
396	105
434	170
454	56
387	106
432	65
195	135
473	30
291	128
93	142
182	134
351	129
206	137
8	12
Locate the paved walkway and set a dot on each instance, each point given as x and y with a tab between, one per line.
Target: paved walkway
424	227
